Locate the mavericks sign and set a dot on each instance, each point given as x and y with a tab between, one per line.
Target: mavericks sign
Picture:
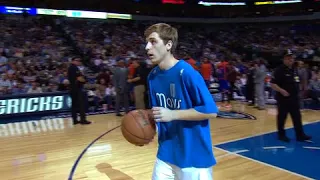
34	103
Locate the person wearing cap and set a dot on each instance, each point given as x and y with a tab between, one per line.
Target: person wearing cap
285	82
77	80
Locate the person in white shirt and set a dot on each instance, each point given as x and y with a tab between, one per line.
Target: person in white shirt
34	88
110	95
5	82
241	84
29	77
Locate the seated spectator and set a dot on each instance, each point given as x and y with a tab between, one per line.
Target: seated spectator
314	88
104	75
241	84
51	88
91	101
19	88
4	91
270	92
5	82
29	76
34	88
42	78
91	81
100	93
64	76
3	62
64	86
110	95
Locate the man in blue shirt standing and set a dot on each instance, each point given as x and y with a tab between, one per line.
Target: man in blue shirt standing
181	106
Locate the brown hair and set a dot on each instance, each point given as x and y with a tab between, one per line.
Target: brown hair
166	33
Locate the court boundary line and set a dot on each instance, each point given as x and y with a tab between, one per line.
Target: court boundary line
264	133
257	161
75	164
263	163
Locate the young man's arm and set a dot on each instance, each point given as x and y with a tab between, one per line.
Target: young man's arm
164	115
204	106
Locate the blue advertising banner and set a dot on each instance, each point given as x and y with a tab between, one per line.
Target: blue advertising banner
27	104
17	10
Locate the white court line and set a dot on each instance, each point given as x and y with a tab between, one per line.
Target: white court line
240	151
239	155
228	154
275	147
308	147
268	132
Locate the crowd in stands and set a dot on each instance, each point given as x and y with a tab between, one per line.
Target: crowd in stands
34	56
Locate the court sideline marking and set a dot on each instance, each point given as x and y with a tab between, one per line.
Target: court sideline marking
85	150
261	134
266	164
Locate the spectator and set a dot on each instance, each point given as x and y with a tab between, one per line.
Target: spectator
315	88
100	93
34	89
19	89
51	88
259	81
110	95
206	70
64	86
121	85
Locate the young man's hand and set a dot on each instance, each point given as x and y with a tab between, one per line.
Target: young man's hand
161	114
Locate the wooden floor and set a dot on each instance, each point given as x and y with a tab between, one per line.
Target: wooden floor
52	149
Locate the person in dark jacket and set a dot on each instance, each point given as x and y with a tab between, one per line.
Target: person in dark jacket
77	92
285	82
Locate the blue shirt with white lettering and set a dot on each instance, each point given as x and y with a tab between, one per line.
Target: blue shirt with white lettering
183	143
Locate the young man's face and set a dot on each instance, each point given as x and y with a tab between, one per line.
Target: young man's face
156	49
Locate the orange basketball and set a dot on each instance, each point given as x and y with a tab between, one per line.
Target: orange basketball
138	127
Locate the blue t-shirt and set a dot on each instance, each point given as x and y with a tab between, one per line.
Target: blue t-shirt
183	143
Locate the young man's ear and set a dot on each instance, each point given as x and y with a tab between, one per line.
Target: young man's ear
169	45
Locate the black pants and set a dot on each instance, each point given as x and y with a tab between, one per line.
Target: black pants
292	106
122	97
250	93
78	105
315	95
231	91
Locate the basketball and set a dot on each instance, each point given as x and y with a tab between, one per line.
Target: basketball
138	127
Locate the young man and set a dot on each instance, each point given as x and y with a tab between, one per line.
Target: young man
181	106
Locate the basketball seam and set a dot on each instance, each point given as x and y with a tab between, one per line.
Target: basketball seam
146	116
146	119
144	135
134	134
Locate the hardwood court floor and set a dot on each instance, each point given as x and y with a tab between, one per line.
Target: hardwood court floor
49	150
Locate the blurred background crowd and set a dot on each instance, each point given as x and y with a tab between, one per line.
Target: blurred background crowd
36	52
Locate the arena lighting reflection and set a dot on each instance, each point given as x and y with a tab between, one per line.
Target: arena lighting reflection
34	126
17	161
104	149
221	3
277	2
